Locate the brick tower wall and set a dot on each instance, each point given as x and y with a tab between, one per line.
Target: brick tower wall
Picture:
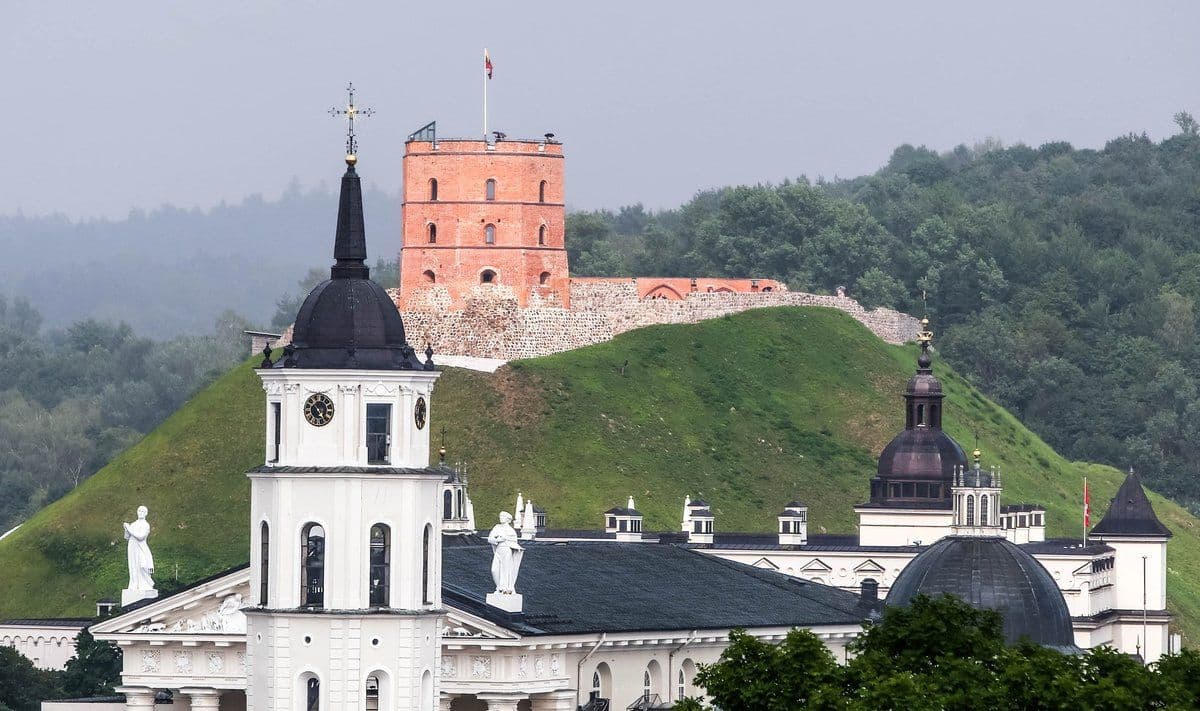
525	261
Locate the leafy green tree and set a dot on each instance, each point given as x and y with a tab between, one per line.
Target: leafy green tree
23	686
94	670
753	674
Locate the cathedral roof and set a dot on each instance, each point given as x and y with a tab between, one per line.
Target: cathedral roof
349	321
995	574
1130	513
624	587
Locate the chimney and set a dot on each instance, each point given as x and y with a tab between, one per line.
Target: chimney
702	520
793	524
528	522
626	522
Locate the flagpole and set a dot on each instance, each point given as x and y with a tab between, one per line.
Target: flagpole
485	83
1087	510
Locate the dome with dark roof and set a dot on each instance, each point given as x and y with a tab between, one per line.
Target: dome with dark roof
994	574
917	468
349	321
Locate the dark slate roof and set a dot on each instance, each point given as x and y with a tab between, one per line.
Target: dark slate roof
991	573
817	542
622	511
1066	546
625	587
52	622
1130	513
349	321
702	512
268	469
1021	508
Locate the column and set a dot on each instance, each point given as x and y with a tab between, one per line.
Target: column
137	698
444	701
554	701
501	702
202	699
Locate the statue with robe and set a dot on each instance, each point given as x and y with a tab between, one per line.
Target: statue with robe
506	554
141	562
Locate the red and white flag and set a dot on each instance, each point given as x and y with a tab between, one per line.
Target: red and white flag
1087	505
487	63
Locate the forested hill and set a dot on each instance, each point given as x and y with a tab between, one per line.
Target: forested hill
1064	281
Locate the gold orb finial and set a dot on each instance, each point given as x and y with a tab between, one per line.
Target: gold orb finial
351	159
977	455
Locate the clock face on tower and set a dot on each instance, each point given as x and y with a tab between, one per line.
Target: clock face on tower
419	413
318	409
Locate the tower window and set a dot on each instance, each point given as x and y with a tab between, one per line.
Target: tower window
542	235
970	510
312	572
487	277
489	234
542	191
462	512
430	277
264	562
381	564
379	432
313	700
276	429
433	189
646	688
983	510
920	415
543	278
447	505
432	233
426	595
490	189
682	690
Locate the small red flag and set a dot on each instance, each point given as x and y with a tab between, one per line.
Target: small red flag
487	63
1087	505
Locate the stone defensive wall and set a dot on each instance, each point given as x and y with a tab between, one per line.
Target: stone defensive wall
493	324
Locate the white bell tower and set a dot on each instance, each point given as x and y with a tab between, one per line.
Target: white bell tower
345	526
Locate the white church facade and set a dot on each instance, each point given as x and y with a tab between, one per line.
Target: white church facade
369	587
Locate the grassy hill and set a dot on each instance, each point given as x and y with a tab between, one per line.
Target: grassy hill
748	411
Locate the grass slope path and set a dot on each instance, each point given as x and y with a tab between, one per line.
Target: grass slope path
748	411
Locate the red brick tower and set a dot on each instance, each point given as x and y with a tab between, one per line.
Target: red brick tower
482	219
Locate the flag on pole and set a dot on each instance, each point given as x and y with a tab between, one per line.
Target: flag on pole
487	63
1087	506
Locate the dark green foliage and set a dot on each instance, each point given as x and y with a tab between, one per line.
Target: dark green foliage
73	399
1065	282
93	671
23	686
939	654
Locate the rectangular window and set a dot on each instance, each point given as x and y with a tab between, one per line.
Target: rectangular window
276	429
379	433
621	525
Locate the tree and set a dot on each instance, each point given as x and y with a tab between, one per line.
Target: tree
1187	125
23	686
94	670
758	675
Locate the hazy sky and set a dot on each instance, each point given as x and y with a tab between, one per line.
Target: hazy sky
115	105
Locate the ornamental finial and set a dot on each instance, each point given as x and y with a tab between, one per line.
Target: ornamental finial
351	112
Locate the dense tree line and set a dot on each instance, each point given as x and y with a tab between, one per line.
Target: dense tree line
1063	281
92	672
73	398
938	654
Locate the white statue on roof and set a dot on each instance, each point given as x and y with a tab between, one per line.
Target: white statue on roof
506	554
141	561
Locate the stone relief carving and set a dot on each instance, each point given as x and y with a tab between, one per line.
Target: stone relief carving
183	662
554	665
449	670
291	388
216	662
523	666
539	666
150	660
481	667
228	618
273	388
241	658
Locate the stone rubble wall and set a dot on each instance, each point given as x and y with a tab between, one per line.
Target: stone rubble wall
493	325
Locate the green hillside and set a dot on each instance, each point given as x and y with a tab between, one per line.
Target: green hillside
748	411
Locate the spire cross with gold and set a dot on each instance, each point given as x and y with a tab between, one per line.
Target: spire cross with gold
351	112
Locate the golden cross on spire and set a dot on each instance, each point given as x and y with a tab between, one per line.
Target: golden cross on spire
351	112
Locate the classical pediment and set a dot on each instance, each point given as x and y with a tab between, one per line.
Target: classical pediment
815	565
765	564
209	608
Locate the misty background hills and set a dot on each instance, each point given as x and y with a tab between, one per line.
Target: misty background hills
172	272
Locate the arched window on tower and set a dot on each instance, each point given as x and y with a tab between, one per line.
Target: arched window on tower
542	191
381	565
970	510
920	415
542	235
430	277
490	189
426	593
681	689
462	510
543	278
264	562
433	189
489	234
447	505
983	510
646	688
432	233
312	694
312	562
487	276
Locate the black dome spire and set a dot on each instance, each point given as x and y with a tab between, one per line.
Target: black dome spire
349	321
1130	513
916	469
